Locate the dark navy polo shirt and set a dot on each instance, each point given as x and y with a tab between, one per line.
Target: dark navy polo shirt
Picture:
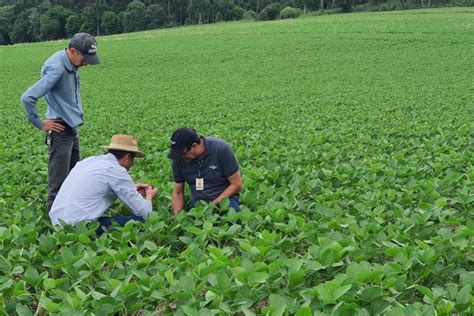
215	165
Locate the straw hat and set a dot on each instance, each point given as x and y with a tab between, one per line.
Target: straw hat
125	143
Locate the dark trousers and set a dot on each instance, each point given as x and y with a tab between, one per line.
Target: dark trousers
106	222
64	153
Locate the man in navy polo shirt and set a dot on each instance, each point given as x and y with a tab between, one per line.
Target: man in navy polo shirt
207	165
59	85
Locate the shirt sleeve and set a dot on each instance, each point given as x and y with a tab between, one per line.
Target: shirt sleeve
126	190
178	178
228	161
51	75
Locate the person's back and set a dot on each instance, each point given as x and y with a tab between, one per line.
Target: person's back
85	191
96	182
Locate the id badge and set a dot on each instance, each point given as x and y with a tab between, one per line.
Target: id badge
199	184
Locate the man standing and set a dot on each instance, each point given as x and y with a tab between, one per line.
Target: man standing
207	165
59	84
96	182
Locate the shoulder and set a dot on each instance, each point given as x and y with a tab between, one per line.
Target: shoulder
176	164
54	64
217	144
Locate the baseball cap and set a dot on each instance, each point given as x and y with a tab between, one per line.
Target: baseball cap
182	138
87	45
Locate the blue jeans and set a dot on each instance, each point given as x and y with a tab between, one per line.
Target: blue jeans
234	202
120	220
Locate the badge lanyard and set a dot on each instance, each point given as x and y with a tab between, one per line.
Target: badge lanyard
199	180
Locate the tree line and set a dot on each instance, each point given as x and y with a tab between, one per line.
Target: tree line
40	20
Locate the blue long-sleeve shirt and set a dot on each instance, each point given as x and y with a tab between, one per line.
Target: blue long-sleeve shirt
60	86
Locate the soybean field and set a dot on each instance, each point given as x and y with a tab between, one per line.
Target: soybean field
355	138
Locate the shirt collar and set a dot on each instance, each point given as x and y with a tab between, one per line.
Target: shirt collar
67	63
206	149
111	158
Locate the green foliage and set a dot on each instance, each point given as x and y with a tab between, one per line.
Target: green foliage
50	28
228	11
89	20
7	18
289	13
136	15
356	156
271	11
134	18
34	30
73	25
156	16
249	15
20	31
110	23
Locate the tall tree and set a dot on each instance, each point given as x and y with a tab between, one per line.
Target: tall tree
89	20
110	23
7	18
156	16
73	25
20	32
134	18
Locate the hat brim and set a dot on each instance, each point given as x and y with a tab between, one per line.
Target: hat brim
175	154
137	153
92	59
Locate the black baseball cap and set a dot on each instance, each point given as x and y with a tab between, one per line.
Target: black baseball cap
181	139
87	45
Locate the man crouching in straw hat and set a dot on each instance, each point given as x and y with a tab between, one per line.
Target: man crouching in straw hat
94	184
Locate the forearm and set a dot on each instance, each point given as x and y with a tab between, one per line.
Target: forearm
230	191
177	201
142	208
29	103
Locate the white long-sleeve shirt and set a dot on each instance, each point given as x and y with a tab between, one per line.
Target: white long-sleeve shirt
91	188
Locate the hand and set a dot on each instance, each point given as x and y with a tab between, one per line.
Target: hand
151	192
141	188
52	126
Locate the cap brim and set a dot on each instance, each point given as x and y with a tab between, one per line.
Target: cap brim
92	59
175	154
138	154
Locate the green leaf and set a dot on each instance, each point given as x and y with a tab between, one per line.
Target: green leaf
256	278
189	310
23	311
451	290
32	276
296	278
186	284
371	293
223	281
49	284
426	291
169	277
277	300
464	295
106	309
49	305
83	238
378	306
304	311
5	266
325	294
341	291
